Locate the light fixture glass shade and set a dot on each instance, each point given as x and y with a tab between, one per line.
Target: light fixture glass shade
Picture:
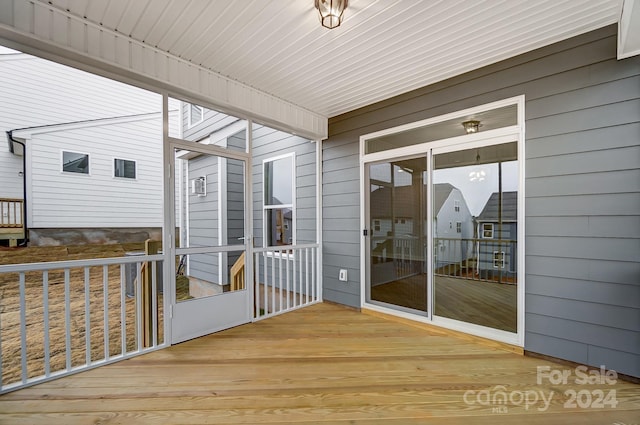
331	12
471	126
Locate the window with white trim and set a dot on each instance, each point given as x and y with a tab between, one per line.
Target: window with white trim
456	206
458	227
279	188
196	114
498	259
75	162
124	168
487	230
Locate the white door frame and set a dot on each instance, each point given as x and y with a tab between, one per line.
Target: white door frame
237	304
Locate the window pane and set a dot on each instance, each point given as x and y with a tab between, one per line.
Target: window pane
124	168
73	162
279	226
475	268
278	181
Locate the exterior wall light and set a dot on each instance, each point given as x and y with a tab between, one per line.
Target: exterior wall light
471	126
331	12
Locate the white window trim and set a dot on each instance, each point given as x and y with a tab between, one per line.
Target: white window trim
515	133
62	151
292	205
458	227
456	205
113	169
190	122
482	236
502	260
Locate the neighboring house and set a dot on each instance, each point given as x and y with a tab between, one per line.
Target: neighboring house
91	168
497	233
284	195
452	227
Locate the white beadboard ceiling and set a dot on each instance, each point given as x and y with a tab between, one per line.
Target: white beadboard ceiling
383	48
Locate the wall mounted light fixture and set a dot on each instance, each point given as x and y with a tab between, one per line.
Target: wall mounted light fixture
471	126
331	12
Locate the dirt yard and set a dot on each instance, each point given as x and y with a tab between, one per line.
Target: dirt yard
10	338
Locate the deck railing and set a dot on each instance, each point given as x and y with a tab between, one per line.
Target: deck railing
11	213
285	278
63	317
476	259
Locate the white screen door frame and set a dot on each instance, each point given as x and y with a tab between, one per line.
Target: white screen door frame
200	316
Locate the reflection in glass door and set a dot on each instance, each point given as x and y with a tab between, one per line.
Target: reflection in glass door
475	221
397	222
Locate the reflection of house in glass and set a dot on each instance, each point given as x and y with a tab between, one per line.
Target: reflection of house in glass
497	233
398	229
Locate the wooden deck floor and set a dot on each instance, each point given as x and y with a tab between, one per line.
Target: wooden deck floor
323	364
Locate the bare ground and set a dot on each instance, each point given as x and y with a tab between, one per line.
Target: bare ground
10	331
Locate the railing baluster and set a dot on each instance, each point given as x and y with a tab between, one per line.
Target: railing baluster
265	277
139	334
123	310
256	285
280	308
154	302
23	329
273	284
314	291
105	297
288	282
293	277
67	317
306	275
45	303
87	314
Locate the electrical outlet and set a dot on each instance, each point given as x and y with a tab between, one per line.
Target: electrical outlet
342	276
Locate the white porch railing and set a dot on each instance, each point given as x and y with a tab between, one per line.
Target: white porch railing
285	278
63	317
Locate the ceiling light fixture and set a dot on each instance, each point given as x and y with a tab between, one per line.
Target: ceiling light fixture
471	126
331	12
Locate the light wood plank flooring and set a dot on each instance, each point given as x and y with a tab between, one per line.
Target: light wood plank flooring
322	364
483	303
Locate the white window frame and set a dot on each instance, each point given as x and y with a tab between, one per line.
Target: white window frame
458	227
135	168
190	121
456	205
500	260
62	170
490	229
292	205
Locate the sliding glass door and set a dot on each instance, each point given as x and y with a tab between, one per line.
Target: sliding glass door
442	227
397	222
474	237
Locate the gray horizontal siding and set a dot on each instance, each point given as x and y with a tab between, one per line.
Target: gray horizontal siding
582	206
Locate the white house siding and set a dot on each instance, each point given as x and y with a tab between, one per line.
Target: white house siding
72	200
449	252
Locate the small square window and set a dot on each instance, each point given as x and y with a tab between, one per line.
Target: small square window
196	114
487	230
74	162
124	168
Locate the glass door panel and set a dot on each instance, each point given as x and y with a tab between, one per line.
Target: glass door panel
397	242
475	198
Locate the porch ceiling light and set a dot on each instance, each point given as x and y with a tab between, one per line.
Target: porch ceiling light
331	12
471	126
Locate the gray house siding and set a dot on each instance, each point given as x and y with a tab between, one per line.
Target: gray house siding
582	191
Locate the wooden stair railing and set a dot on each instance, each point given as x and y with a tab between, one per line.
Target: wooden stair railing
237	274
